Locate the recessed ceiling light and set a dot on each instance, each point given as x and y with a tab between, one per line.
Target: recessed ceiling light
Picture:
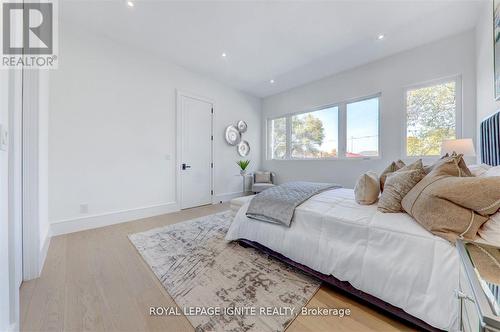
130	3
271	81
381	36
224	54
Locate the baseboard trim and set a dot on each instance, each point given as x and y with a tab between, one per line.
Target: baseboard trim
107	219
226	197
44	249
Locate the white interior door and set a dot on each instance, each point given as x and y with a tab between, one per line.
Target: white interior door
196	151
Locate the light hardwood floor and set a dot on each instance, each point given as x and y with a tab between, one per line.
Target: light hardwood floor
96	281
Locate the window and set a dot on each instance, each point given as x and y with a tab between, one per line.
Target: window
431	117
344	130
278	138
314	134
362	128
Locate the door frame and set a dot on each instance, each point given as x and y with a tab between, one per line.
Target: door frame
32	260
178	140
15	201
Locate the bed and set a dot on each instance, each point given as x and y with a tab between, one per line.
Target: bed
354	247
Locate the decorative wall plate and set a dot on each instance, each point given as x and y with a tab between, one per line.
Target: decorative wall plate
233	136
242	126
243	148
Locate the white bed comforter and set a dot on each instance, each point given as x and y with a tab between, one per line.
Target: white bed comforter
389	256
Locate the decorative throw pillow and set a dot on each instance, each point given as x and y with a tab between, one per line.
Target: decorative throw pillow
262	177
453	165
429	168
393	167
413	166
367	188
397	185
383	176
453	207
464	170
400	164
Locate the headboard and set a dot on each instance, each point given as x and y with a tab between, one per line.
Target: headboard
490	140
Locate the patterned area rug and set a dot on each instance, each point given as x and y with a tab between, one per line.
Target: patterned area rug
198	268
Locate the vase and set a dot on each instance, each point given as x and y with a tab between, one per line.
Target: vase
243	172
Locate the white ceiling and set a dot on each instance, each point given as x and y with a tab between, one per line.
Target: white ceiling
292	42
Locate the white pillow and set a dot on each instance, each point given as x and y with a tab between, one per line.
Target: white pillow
490	231
479	170
493	171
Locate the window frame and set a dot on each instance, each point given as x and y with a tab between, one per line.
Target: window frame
458	110
269	139
341	130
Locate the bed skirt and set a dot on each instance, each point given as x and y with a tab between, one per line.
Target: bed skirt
345	287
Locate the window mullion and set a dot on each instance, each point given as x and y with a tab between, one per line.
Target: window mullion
342	131
269	140
288	153
458	109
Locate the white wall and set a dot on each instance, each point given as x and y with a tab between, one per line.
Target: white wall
444	58
486	104
112	126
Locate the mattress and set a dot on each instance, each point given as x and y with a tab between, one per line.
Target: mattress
389	256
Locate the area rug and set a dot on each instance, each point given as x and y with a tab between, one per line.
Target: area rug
223	281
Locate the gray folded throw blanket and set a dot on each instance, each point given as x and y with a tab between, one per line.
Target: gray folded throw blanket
277	204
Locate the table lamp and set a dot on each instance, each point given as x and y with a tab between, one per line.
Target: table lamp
463	146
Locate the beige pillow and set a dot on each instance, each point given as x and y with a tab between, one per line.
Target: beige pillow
367	189
413	166
453	206
453	165
262	177
450	206
397	185
389	169
429	168
393	167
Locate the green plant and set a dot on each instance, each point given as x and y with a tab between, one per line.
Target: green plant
243	164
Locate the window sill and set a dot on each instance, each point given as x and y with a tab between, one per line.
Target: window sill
328	159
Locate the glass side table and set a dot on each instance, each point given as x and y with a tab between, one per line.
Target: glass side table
479	293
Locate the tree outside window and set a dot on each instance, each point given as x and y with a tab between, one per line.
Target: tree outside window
431	118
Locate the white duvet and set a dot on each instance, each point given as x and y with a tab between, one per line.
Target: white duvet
389	256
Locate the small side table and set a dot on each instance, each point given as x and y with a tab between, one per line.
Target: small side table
244	179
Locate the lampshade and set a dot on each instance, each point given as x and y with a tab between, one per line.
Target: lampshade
463	146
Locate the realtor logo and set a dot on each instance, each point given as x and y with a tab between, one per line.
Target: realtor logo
29	34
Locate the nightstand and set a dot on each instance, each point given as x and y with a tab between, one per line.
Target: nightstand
479	283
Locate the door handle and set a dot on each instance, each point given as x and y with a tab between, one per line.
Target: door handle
184	166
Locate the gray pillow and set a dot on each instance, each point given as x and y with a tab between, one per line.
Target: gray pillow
263	177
